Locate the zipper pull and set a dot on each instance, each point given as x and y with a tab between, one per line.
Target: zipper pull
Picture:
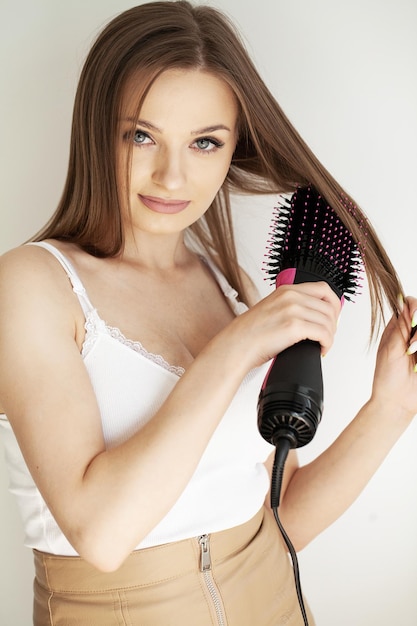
205	559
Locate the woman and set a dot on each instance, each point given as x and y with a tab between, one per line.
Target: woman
131	388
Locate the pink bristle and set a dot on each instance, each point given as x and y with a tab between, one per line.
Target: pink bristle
316	231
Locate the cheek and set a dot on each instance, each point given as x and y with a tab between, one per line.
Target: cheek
223	173
211	185
214	173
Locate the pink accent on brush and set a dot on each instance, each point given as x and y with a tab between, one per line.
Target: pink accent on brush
286	277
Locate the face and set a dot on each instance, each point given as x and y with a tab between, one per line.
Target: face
182	147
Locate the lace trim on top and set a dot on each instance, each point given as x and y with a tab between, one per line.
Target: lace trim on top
94	324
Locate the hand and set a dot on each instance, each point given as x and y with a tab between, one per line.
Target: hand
288	315
395	378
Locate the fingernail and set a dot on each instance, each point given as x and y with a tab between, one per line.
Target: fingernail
414	320
400	301
412	348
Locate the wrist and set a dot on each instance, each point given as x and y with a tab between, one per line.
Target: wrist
232	350
390	408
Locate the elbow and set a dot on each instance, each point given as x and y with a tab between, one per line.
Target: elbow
105	554
104	563
102	558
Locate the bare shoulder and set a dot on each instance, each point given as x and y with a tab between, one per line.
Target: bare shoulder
40	318
35	290
29	272
26	259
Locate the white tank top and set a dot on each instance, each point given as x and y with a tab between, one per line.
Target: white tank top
230	483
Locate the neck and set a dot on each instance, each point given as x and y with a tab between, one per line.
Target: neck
156	252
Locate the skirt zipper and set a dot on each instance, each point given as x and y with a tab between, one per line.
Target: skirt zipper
205	568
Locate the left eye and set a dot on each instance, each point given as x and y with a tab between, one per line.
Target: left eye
207	145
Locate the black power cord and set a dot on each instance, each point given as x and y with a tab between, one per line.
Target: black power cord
283	445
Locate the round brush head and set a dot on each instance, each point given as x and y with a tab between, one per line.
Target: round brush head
308	235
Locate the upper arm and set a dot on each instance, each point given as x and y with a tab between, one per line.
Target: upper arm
44	386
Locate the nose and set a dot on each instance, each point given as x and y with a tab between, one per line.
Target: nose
169	169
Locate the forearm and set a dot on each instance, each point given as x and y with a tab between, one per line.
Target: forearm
162	457
127	490
321	491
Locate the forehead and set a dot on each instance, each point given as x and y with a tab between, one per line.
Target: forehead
182	96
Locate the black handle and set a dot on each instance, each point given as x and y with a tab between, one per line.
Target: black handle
291	399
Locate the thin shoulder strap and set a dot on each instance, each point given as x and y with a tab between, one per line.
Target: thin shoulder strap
228	291
76	283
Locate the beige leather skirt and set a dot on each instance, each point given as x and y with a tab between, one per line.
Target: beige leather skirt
237	577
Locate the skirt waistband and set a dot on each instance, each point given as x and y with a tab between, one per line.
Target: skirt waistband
142	567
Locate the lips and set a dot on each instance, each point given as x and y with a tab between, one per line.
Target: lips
160	205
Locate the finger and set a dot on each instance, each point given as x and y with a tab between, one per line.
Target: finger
324	292
303	306
409	315
412	308
319	289
411	311
320	322
316	295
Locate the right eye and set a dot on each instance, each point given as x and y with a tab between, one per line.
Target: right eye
140	137
137	137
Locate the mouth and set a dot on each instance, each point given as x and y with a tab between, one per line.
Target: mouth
160	205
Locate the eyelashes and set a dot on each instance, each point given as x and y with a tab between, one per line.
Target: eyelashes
205	142
202	145
139	137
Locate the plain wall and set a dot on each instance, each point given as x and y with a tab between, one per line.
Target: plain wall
345	74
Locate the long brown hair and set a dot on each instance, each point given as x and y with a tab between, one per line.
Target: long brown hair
270	156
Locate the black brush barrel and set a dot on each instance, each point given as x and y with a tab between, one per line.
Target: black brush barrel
291	400
309	244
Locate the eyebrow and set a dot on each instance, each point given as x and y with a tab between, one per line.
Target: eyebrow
200	131
211	129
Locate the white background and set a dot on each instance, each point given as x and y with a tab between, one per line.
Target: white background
346	75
